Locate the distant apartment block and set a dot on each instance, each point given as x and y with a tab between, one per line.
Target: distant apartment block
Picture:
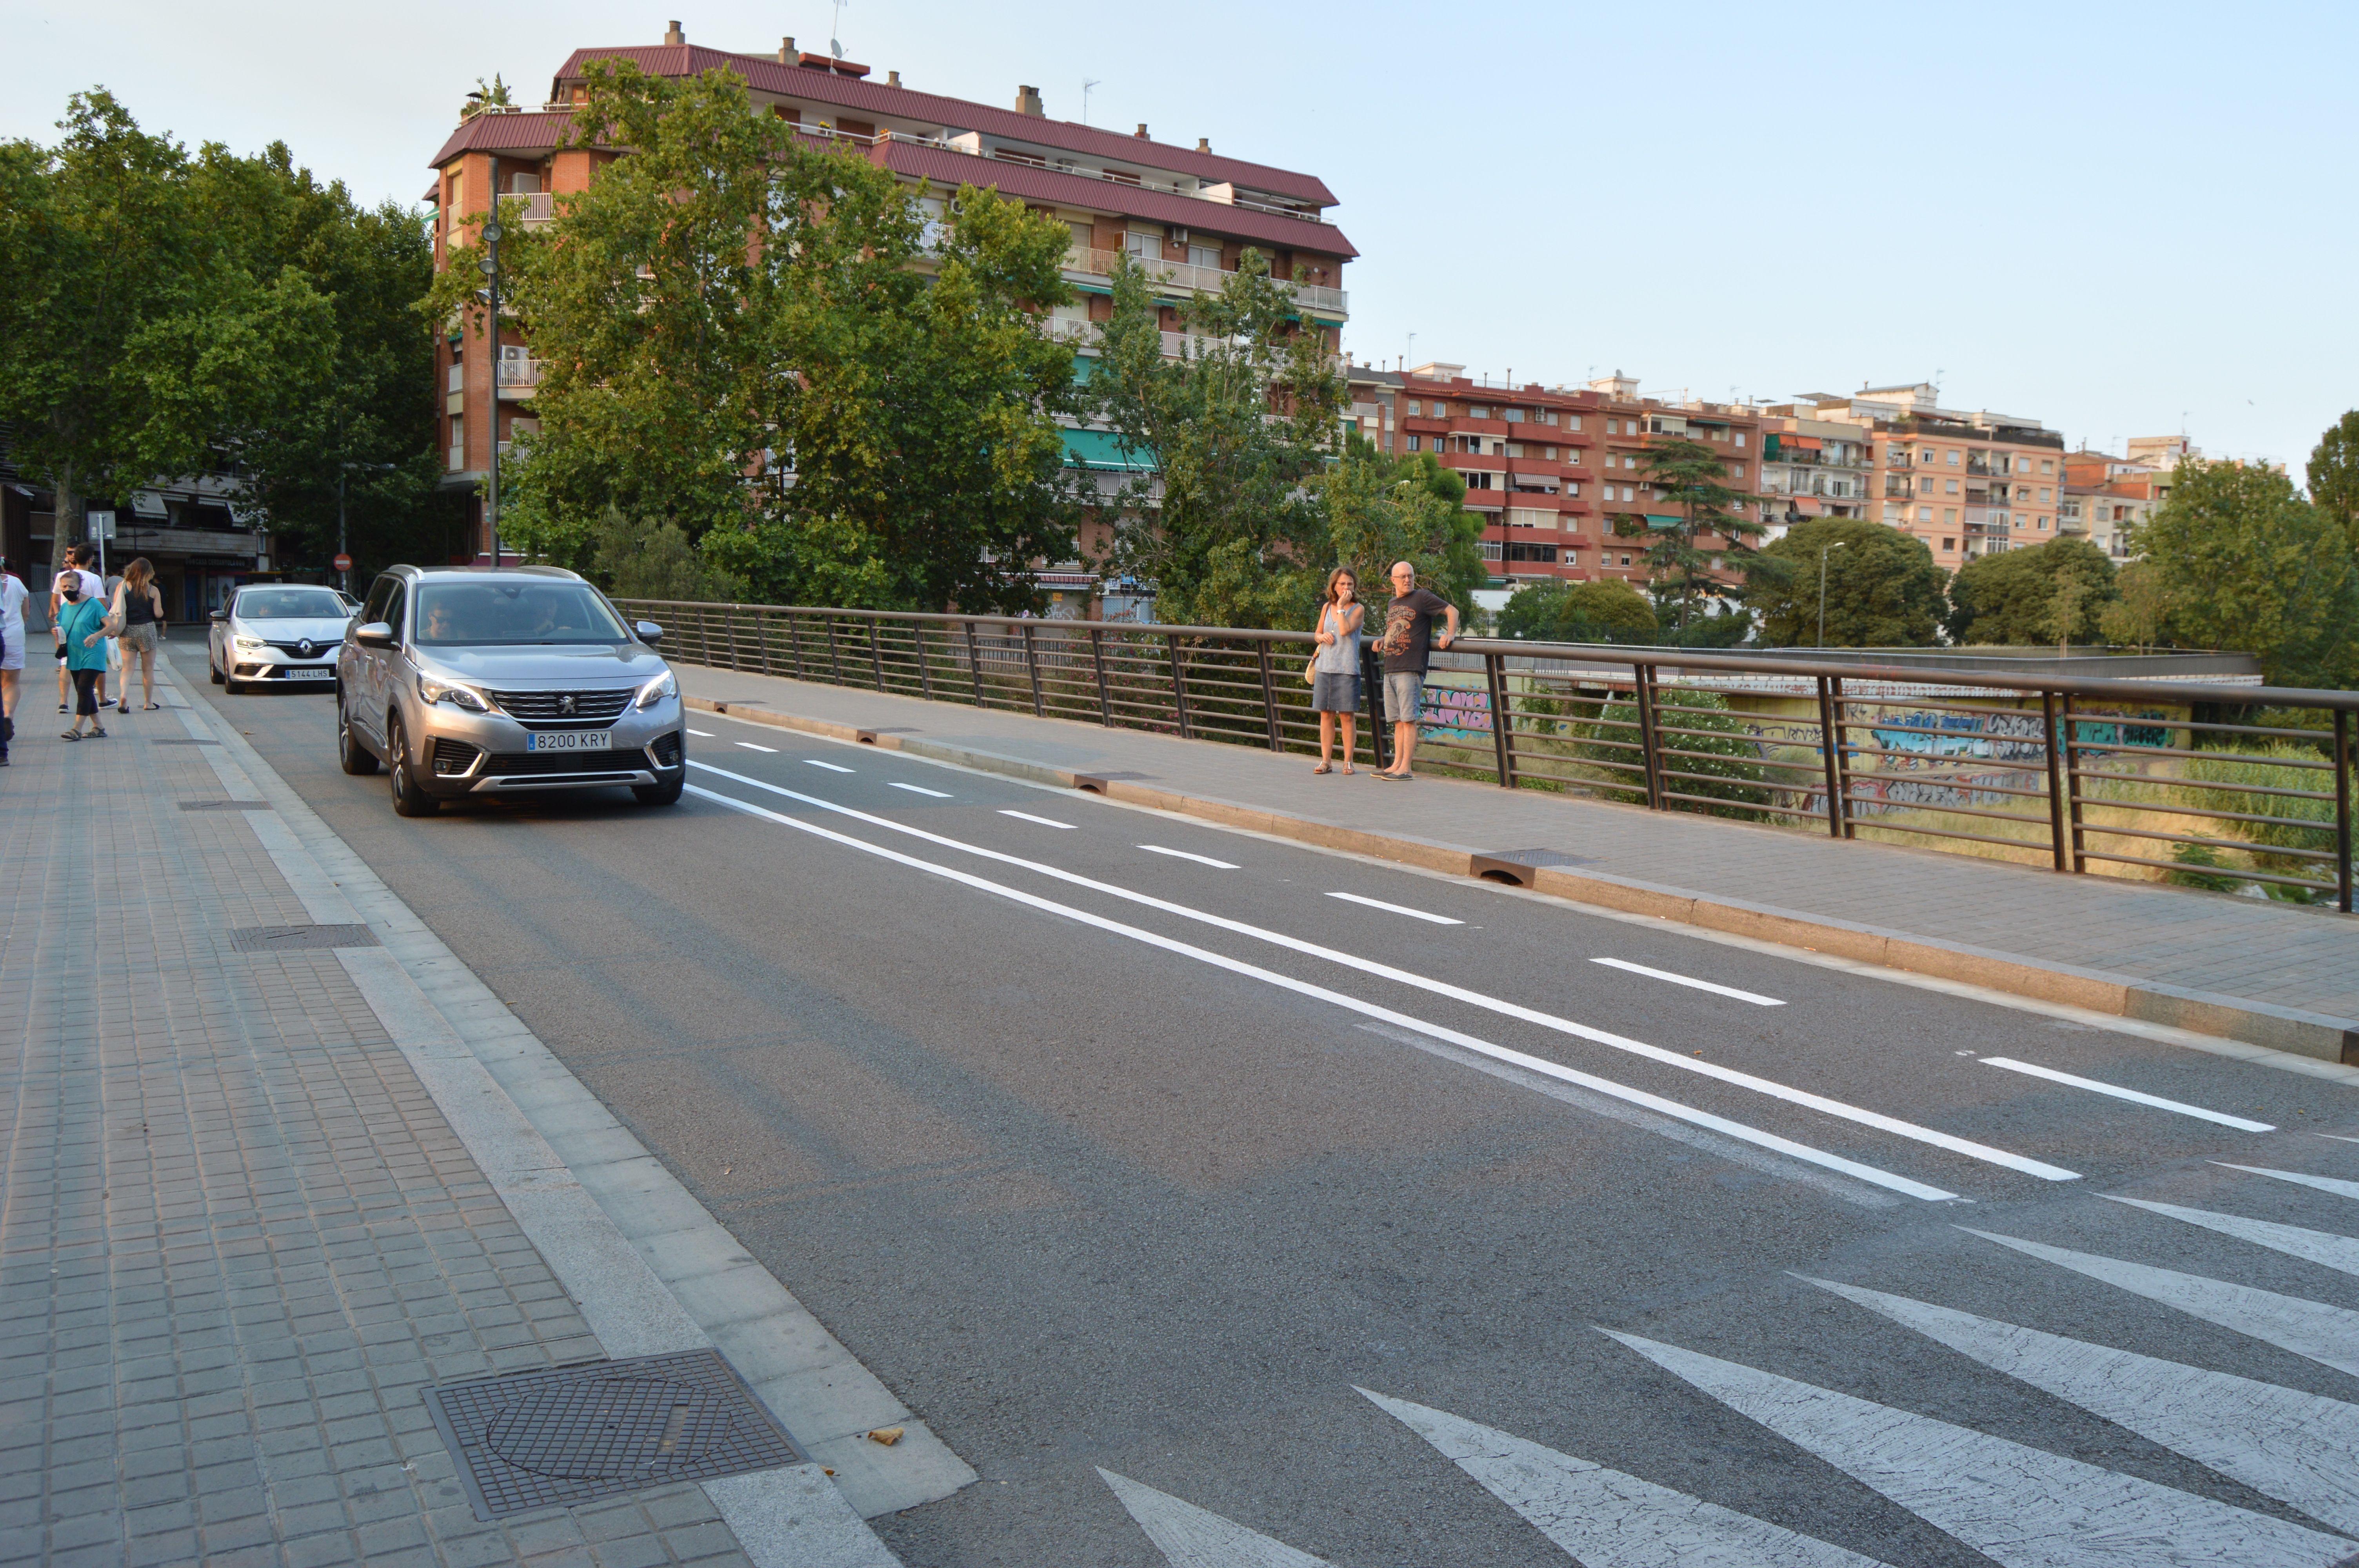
2106	496
1185	214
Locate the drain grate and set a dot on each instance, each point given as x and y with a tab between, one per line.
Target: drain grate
280	938
1518	865
224	806
545	1439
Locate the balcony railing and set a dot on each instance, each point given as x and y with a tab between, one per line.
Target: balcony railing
1188	276
517	379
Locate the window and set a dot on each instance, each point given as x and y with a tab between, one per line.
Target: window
1951	457
1541	553
1572	421
2043	524
1953	487
2022	465
1572	487
1629	462
1514	449
1143	247
1479	479
1737	470
1208	256
1550	453
1740	437
1513	415
2047	465
1440	410
478	614
1413	410
2043	494
1626	560
1924	514
1490	549
1084	237
1614	426
1950	515
1478	413
1415	443
1549	415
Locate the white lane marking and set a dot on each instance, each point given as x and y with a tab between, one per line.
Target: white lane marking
814	761
1606	1518
2034	1070
2335	1184
1755	998
920	789
1367	1010
2326	1335
2339	1138
1752	1159
1440	988
2337	1252
1184	855
1396	909
1019	815
2023	1506
2283	1444
706	733
1188	1536
750	747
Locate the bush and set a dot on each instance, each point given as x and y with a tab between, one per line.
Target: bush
2234	784
1730	763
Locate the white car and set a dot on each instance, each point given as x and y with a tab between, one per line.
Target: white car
278	634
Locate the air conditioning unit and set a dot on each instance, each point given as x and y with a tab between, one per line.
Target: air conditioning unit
1177	233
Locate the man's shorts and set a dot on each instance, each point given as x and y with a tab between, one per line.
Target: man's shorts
1404	696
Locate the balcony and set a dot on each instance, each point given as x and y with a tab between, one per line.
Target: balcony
1082	334
534	211
1187	279
518	379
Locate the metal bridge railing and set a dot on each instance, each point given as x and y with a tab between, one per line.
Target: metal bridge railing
2208	785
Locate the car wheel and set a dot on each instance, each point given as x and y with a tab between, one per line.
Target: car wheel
660	793
212	669
356	758
408	800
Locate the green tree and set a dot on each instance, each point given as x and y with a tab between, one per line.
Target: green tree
2139	617
1883	588
2247	563
656	560
1602	609
1229	436
2334	475
1681	568
2011	598
738	338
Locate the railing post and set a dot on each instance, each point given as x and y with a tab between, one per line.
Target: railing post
1097	660
974	664
2057	776
1828	745
2343	810
834	658
1032	666
1494	670
2073	784
1642	692
762	638
730	620
1268	694
795	637
1372	676
876	649
924	674
1843	756
1179	683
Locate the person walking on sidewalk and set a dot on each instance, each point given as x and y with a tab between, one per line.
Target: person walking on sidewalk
1409	627
1335	667
136	616
12	652
77	558
81	623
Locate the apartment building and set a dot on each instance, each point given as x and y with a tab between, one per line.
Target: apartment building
1811	468
1547	467
2105	496
1186	215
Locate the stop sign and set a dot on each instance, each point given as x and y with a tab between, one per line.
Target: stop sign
343	563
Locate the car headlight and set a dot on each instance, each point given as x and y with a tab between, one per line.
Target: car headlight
251	644
655	690
454	694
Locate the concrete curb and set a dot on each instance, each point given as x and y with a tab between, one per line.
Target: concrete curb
2313	1034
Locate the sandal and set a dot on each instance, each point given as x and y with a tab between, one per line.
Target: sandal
68	734
1322	768
152	708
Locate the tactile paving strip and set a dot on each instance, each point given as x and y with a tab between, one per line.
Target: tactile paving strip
544	1438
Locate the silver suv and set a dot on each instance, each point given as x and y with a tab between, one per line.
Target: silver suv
470	682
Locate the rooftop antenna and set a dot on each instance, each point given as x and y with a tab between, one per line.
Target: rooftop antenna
1088	82
834	41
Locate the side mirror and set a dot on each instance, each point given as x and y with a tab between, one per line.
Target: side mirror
649	633
375	635
221	615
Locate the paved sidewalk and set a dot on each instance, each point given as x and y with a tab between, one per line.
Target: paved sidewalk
2276	973
238	1233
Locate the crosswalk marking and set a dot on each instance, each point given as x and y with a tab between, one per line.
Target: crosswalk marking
2095	1086
2327	1334
1189	1537
2283	1444
2021	1507
1609	1520
2339	1253
2324	1183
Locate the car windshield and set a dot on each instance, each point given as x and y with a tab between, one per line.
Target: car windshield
289	604
474	614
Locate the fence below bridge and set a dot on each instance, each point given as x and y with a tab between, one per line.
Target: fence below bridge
2206	784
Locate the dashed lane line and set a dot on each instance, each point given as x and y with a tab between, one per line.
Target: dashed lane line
1755	998
814	761
2095	1086
768	750
919	789
1043	821
1184	855
1397	909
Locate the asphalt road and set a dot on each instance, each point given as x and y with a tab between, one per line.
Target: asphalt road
1112	1140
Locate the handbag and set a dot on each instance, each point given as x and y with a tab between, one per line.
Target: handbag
1311	664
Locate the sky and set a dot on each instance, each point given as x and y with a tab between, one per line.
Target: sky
2119	220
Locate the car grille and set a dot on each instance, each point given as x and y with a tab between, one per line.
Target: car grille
598	764
319	650
550	707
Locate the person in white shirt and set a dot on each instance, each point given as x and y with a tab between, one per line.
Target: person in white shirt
12	652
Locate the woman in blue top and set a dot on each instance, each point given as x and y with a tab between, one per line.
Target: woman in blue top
80	617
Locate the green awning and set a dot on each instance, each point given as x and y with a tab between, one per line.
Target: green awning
1101	450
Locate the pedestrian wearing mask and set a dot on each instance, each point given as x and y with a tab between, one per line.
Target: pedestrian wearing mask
82	622
136	618
77	560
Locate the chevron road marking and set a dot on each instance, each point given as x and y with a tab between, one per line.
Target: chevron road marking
1189	1537
2322	1247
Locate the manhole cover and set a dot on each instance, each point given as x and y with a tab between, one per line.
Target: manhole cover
280	938
546	1438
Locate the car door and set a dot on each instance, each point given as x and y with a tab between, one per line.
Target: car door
367	704
389	663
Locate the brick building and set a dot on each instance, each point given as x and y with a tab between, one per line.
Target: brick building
1186	215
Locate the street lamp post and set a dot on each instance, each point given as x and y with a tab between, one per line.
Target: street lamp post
1838	545
490	265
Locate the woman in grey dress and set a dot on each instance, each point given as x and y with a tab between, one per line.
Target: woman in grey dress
1335	667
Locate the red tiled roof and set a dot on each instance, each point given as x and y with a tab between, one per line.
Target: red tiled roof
534	132
765	74
949	170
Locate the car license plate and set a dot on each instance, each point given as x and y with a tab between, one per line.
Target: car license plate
311	671
570	741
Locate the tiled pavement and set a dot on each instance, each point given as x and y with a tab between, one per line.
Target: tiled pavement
236	1236
2278	955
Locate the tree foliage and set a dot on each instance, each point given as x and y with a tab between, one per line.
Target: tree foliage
1883	588
2012	597
1602	609
2334	475
1681	570
2245	562
780	352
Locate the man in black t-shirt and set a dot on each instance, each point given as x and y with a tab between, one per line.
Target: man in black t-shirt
1409	627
